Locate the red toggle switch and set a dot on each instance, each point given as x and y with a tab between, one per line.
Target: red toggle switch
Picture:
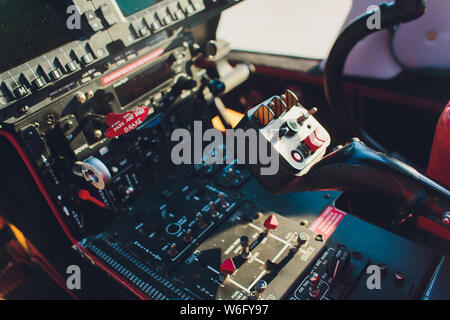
228	266
271	222
86	195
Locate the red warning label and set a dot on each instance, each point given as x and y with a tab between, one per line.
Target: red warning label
122	123
327	222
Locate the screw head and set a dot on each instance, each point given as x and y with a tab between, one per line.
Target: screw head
319	237
90	94
261	285
98	133
302	238
24	109
68	125
51	119
80	97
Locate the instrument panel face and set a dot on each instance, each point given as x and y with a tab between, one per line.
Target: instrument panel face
167	230
129	7
55	39
193	231
135	87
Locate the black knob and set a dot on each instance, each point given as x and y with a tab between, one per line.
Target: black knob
184	83
216	86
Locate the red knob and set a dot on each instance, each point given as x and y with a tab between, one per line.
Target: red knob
271	222
228	266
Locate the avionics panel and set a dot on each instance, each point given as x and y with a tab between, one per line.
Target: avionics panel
137	86
38	49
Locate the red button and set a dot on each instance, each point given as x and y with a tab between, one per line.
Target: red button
297	156
316	139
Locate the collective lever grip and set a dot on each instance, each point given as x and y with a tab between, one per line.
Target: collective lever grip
299	142
356	167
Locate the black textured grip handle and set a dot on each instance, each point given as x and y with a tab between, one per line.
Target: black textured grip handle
356	177
356	167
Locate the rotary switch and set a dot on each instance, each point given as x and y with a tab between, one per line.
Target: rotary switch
93	171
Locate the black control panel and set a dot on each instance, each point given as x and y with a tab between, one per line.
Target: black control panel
193	238
71	37
93	121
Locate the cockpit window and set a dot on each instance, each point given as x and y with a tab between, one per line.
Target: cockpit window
303	28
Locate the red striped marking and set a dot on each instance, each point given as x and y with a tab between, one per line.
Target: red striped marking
132	66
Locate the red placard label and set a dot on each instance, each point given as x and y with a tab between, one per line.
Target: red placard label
327	222
122	123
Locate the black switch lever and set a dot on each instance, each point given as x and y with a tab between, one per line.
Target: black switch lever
182	84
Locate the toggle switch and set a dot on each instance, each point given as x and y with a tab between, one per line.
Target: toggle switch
302	239
223	202
303	117
230	174
212	209
245	247
86	195
270	224
201	220
188	235
314	290
173	250
339	265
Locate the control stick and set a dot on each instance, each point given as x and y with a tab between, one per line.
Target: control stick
304	165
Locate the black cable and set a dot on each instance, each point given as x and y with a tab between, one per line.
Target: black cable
390	15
